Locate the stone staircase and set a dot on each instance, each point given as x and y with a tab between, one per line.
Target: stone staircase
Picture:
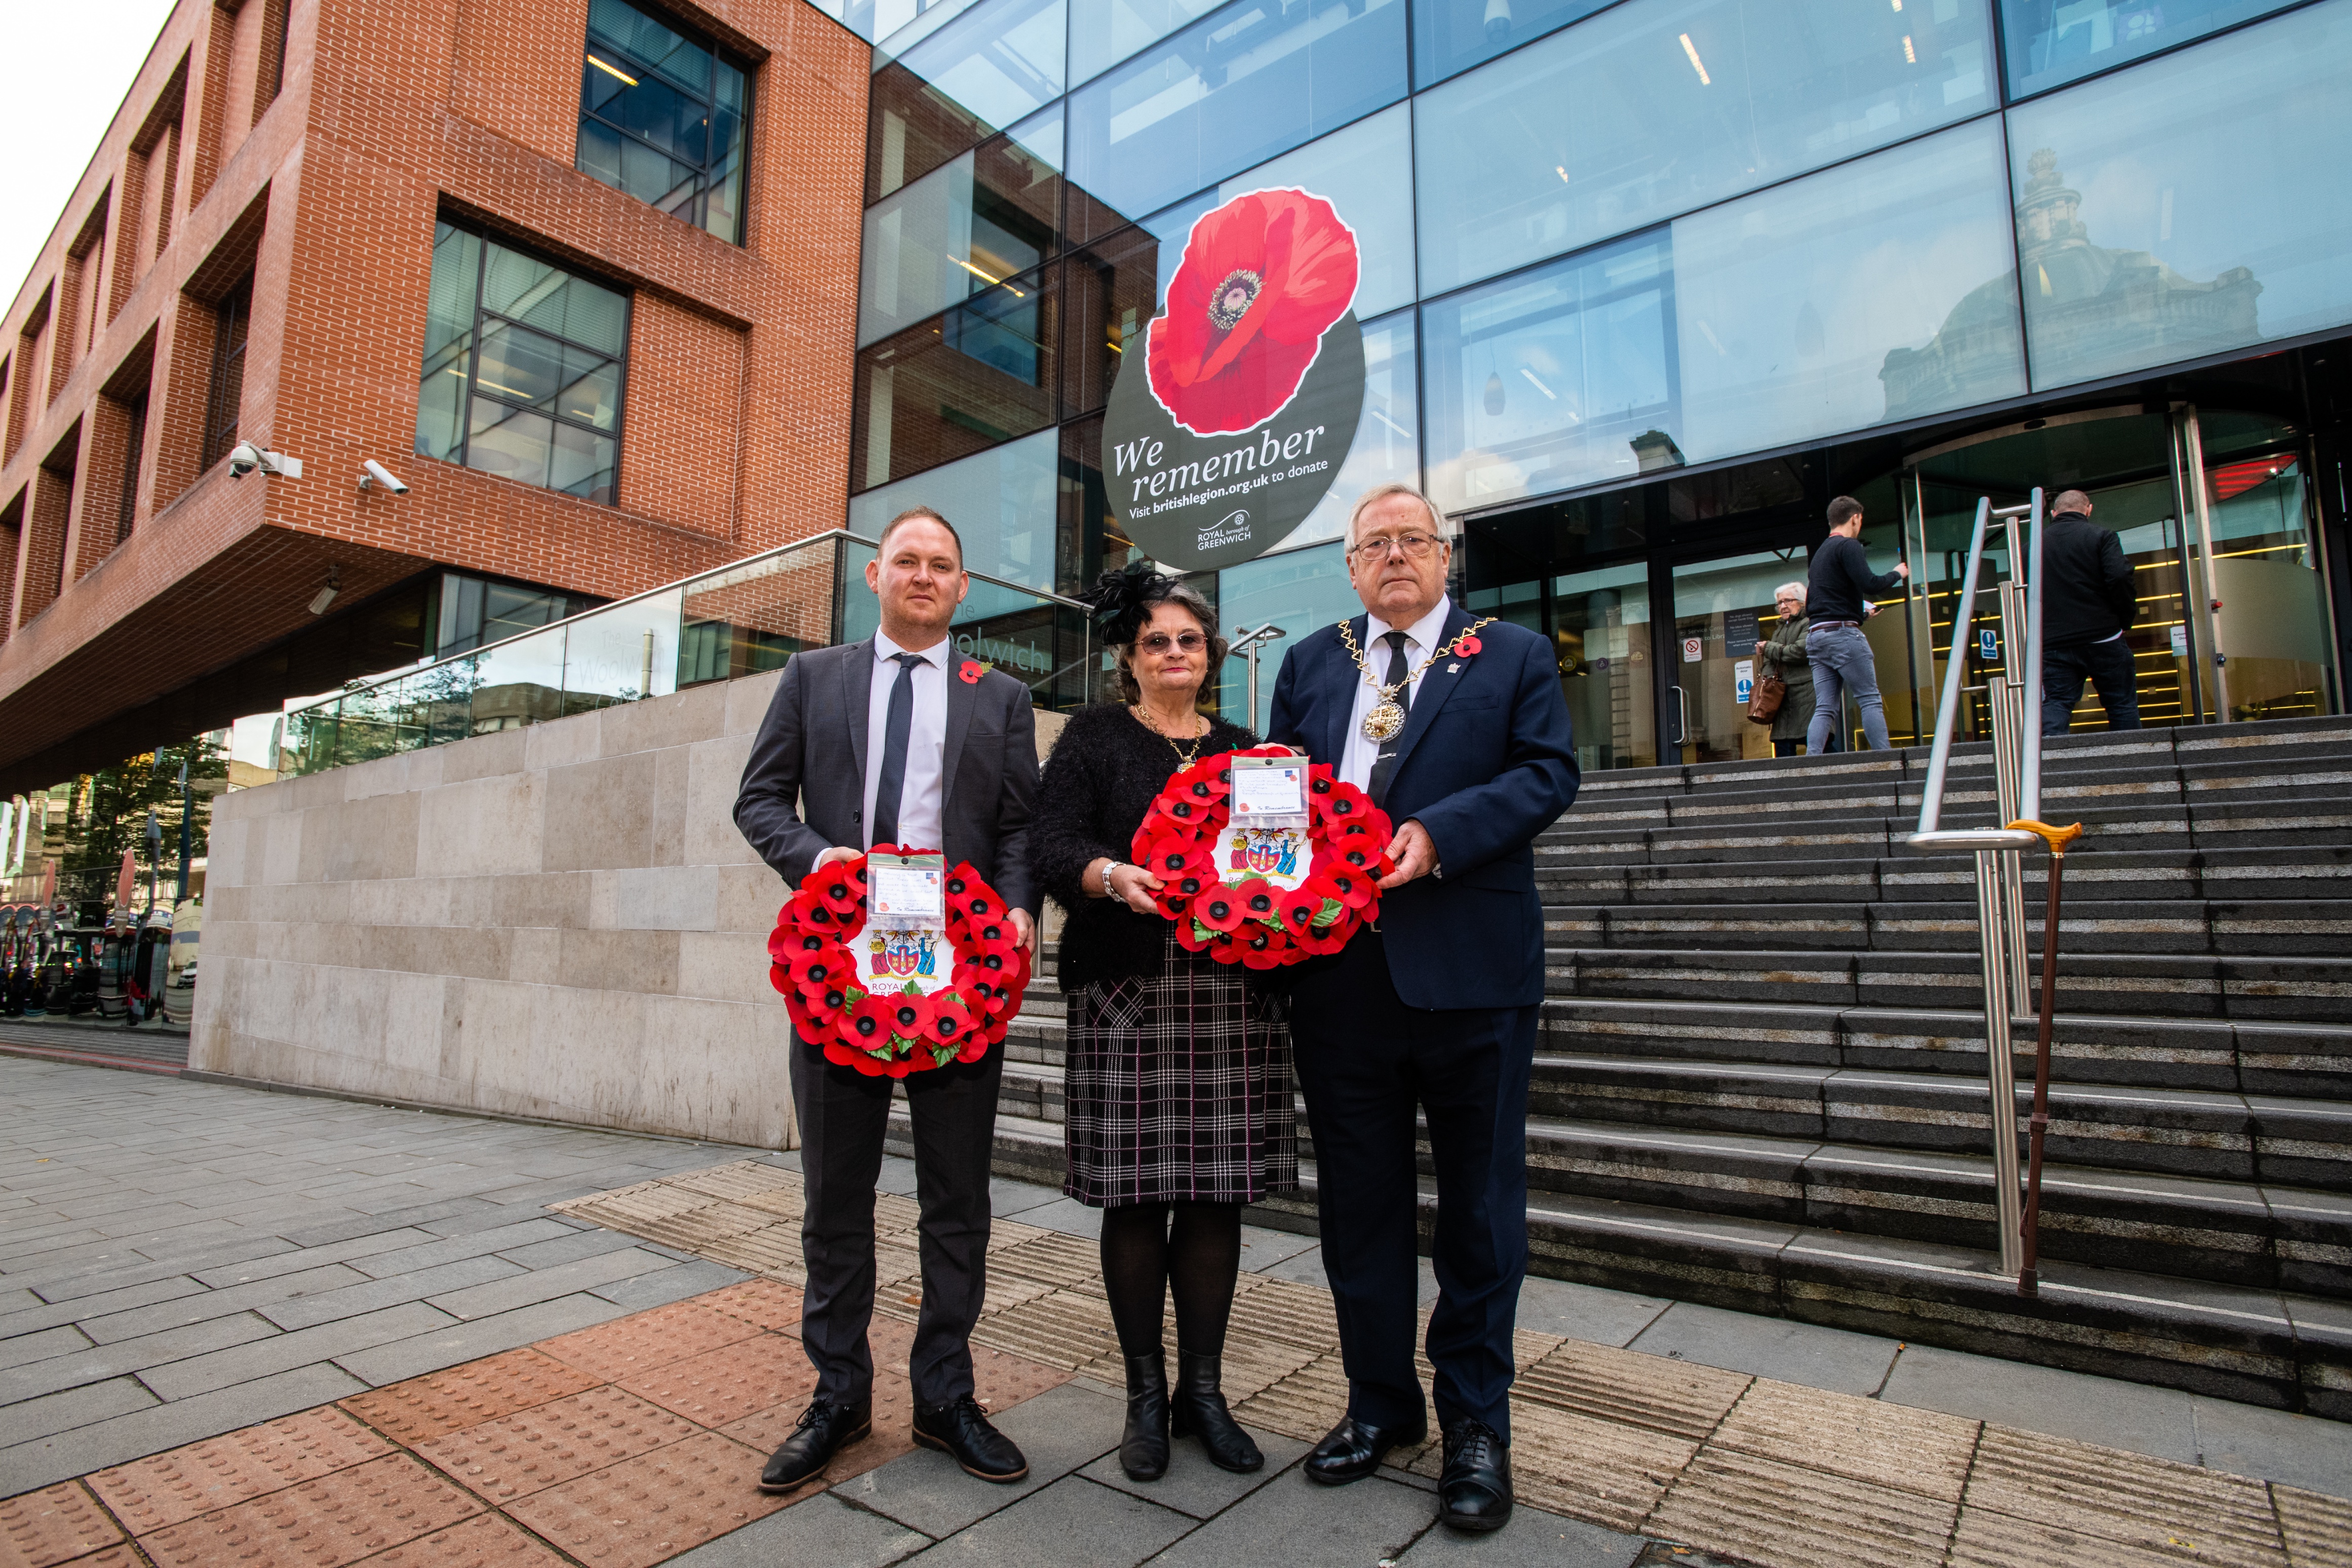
1761	1079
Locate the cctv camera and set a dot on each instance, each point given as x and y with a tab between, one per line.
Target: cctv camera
243	458
377	474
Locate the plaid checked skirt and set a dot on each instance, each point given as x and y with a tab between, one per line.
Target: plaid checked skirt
1178	1089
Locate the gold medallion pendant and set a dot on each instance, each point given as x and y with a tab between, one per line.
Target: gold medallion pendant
1384	719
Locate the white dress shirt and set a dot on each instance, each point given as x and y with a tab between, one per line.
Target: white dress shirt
1421	640
919	794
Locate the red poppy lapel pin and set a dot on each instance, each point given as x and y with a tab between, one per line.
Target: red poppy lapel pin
970	671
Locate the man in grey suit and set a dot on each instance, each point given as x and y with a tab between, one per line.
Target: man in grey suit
897	740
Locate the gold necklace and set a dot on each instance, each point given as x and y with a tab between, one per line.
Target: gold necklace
1386	717
1190	757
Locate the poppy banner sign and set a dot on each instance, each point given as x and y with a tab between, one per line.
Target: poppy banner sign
1223	434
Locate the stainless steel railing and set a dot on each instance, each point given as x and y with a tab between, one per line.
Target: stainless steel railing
2014	710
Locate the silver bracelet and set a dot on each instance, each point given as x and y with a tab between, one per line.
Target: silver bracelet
1109	892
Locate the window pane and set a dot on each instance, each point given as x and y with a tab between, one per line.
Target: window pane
972	377
1105	32
649	43
1113	290
2051	43
646	106
1663	106
1450	36
1301	592
509	442
1366	172
1229	92
1882	290
958	231
722	209
1554	379
1387	449
448	342
999	62
1001	502
2190	205
529	290
582	464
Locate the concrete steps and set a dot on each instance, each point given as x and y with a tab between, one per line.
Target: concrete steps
1761	1079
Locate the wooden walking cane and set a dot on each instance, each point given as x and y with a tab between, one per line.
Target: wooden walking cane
2057	838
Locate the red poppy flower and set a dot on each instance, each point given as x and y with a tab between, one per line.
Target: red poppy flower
807	911
1268	948
786	943
872	1066
867	1028
1169	856
1260	898
1299	907
910	1015
1344	802
1468	645
1329	939
1264	277
948	1025
1353	889
840	892
1219	909
781	978
969	673
1188	934
824	1005
828	965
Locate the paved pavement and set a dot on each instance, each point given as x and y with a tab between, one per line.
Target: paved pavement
286	1283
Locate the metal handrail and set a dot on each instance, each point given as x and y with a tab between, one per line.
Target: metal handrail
1930	836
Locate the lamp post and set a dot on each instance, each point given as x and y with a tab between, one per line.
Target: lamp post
186	816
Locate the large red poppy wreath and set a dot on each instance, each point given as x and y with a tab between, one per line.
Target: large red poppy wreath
1256	922
883	1025
1264	277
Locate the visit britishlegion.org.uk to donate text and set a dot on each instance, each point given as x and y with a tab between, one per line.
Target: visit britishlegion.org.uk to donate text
1191	483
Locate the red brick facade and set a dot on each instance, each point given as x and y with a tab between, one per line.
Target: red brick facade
321	184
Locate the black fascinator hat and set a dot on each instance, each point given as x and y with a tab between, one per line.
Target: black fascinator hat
1122	600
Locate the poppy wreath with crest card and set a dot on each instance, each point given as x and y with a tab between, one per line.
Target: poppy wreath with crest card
883	1026
1256	923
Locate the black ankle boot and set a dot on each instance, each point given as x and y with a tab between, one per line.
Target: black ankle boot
1143	1448
1199	1410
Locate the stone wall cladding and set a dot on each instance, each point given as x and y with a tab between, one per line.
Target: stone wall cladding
735	432
558	922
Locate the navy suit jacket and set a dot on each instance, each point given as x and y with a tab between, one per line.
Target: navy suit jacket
1486	763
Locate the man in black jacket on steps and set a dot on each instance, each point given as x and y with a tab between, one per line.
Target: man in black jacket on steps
2088	601
1839	599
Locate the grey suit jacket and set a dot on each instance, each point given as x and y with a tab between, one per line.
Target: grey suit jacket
811	748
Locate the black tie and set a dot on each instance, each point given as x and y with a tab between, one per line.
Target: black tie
1400	676
888	784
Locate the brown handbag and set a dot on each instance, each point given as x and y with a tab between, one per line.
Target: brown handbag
1764	703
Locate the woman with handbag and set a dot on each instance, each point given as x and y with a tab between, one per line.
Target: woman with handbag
1176	1078
1784	655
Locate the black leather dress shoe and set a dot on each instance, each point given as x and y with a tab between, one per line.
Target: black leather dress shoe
960	1429
1474	1491
824	1430
1353	1449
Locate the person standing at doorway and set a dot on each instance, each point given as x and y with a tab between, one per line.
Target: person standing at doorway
1457	729
1839	598
2089	600
894	739
1784	653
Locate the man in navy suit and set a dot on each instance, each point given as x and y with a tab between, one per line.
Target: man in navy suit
1458	730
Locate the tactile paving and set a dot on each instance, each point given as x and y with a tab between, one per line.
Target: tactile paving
653	1507
149	1494
1888	1445
1065	1262
462	1397
1064	1329
1675	1396
1592	1469
774	1251
2319	1528
763	1303
1988	1539
693	1231
56	1524
1785	1516
742	1179
895	1214
904	1299
731	1382
642	1340
1304	1405
2086	1490
1002	1379
321	1523
485	1541
1005	1233
543	1447
1283	1311
645	1201
893	1434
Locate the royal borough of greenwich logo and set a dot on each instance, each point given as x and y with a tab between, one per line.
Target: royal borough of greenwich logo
1225	433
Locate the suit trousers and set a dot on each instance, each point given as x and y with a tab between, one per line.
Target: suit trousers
843	1115
1365	1060
2107	665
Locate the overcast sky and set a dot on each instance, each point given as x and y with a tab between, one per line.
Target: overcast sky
75	59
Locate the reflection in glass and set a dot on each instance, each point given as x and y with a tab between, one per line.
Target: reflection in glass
1001	502
1301	591
980	373
2158	217
755	616
1112	291
964	227
1040	644
1366	173
1660	107
1877	290
1229	92
621	652
1727	605
1556	378
1105	32
518	683
448	342
1601	632
2273	620
1386	449
976	75
1451	35
2052	42
661	118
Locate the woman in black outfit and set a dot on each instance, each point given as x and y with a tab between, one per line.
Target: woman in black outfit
1178	1074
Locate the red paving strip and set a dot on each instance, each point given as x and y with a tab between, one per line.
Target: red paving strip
148	1495
533	1458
